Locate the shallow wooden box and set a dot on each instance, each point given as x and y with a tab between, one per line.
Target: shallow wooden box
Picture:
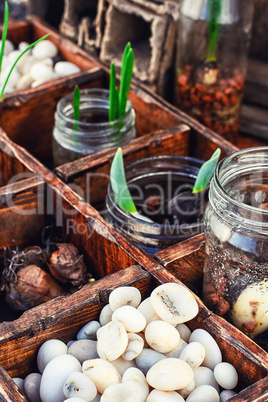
62	318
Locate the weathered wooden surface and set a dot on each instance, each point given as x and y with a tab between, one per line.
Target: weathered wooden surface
185	260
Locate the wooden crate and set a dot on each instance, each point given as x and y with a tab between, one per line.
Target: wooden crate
61	318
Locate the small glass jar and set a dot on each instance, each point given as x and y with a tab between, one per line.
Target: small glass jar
235	282
155	184
93	133
211	61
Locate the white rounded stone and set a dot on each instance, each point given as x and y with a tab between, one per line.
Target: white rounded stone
64	68
147	358
13	79
40	71
122	365
105	315
48	350
193	354
178	349
226	375
23	46
32	387
27	61
9	47
164	396
147	310
213	354
12	57
134	347
170	374
102	373
204	393
174	303
136	380
124	296
120	393
162	336
89	330
205	376
184	392
184	331
24	82
83	349
20	383
112	340
44	49
79	385
130	317
54	376
225	395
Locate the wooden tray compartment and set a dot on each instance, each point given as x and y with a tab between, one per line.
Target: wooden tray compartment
62	318
30	205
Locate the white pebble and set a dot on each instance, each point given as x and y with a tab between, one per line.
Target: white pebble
32	387
225	395
105	315
147	358
205	376
24	82
193	354
120	393
162	336
174	303
147	311
56	372
112	341
124	295
37	83
130	317
184	392
178	349
83	349
164	396
14	77
102	373
170	374
89	330
40	71
12	57
184	331
26	63
136	380
204	393
64	68
122	365
213	354
79	385
23	46
48	350
9	47
20	383
134	347
44	49
226	375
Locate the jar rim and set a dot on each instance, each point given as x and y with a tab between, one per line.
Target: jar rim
221	178
94	94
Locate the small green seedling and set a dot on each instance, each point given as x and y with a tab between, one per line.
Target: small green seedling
215	7
6	17
118	98
206	172
120	189
76	106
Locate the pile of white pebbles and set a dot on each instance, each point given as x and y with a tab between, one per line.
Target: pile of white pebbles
35	67
137	351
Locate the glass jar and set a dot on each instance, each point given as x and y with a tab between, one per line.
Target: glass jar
93	133
211	61
236	227
161	190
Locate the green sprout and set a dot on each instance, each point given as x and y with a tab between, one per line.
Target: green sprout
76	106
206	172
6	17
215	7
120	189
118	98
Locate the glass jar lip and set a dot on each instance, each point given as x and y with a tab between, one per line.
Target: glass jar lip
126	215
241	154
94	94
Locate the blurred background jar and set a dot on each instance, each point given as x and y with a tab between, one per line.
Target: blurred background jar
235	282
211	61
93	132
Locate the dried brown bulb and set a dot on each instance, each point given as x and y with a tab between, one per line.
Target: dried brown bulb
67	265
31	286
